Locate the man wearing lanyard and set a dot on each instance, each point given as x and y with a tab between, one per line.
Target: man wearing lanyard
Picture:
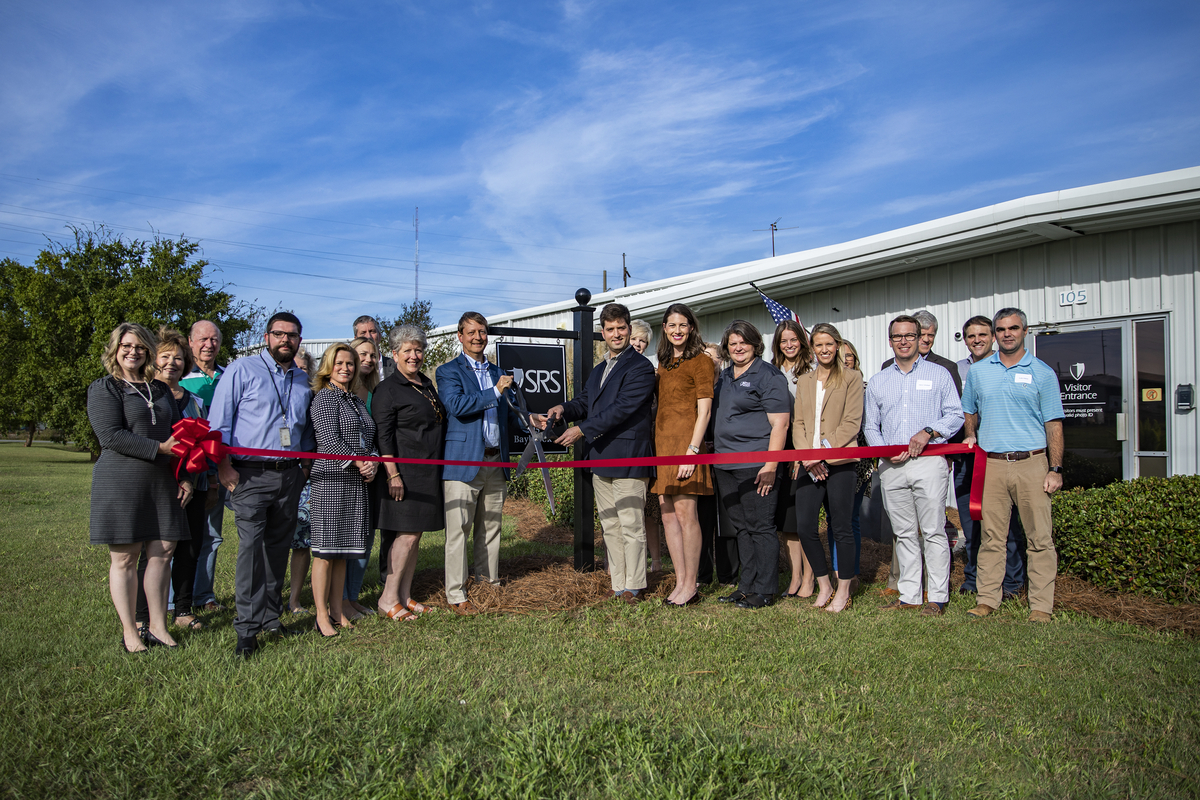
262	403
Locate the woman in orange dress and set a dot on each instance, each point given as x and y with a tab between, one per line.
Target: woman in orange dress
685	391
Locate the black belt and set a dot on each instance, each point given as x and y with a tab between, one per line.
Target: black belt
490	452
279	466
1016	455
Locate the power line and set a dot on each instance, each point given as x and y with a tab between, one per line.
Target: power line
35	181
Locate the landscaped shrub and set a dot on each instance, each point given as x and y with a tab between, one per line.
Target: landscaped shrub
562	480
1138	536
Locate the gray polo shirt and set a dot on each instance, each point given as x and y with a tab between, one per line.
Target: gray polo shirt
740	410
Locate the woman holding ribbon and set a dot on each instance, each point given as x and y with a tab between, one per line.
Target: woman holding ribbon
339	487
137	502
829	410
685	392
172	361
356	568
752	411
412	424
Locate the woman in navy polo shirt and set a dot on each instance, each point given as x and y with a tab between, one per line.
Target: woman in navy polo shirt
752	412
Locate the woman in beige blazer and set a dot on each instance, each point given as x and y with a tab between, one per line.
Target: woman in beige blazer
828	413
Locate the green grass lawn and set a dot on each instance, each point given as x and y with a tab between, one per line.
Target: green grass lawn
610	702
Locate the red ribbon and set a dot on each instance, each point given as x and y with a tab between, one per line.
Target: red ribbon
196	445
828	454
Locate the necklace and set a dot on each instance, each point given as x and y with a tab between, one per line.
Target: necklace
673	363
148	397
433	401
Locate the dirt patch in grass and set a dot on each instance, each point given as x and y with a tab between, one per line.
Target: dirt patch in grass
550	583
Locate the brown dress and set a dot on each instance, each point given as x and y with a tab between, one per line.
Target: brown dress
678	391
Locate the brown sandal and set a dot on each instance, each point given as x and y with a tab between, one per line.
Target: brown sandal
416	607
398	613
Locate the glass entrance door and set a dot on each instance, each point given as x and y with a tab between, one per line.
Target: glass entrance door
1112	376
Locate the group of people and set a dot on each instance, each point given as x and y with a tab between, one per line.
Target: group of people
369	398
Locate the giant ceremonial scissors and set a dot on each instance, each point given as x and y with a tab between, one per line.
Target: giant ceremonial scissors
536	437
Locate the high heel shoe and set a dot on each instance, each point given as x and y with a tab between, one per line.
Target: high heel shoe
849	602
828	600
154	641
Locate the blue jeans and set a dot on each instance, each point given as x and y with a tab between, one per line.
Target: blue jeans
1014	572
356	568
206	561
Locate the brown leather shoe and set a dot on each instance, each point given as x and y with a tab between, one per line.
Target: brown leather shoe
889	592
1039	616
981	611
933	610
898	605
631	598
466	608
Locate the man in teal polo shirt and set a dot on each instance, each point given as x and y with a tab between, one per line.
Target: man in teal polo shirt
205	341
1012	401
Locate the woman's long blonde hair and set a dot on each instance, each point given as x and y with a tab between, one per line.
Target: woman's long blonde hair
368	382
321	379
836	373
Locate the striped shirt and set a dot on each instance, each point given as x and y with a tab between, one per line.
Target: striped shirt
899	404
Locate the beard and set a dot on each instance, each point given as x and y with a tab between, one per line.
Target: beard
283	353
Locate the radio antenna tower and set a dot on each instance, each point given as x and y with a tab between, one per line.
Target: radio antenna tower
417	253
775	227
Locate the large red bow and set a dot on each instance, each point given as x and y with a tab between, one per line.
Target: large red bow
196	445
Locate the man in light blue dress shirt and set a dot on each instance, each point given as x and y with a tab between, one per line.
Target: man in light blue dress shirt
913	402
262	403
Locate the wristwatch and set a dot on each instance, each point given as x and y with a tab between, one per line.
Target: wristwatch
932	433
1056	469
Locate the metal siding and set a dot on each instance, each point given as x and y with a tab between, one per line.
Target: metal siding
1181	286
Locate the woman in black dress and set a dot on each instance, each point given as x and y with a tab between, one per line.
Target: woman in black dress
136	500
412	424
338	498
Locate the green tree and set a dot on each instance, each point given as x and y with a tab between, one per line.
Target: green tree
73	296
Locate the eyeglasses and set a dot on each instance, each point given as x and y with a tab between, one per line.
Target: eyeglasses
284	335
137	348
903	337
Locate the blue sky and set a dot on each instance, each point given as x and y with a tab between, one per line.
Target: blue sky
542	140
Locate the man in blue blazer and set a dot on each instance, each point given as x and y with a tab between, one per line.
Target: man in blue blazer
471	388
614	419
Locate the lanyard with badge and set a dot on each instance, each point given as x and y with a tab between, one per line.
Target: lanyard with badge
285	433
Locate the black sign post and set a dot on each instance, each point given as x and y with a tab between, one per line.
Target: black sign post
584	336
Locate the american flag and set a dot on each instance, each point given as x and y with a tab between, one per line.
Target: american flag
779	312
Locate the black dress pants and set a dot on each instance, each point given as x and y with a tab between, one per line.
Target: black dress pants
836	493
718	542
753	517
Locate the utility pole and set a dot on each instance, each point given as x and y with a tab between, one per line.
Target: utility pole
605	282
417	253
775	227
625	276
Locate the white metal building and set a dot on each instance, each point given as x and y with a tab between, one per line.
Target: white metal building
1109	276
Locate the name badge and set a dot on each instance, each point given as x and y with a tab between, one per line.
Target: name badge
924	386
285	437
1019	378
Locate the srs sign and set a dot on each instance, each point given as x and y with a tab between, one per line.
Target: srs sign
541	372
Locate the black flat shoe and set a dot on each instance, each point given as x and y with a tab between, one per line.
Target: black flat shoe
786	595
755	601
736	597
247	646
154	641
283	631
317	628
125	647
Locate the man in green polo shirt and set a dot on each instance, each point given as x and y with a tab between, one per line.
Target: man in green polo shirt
205	341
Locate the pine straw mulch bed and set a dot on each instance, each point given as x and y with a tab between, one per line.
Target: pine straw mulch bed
550	583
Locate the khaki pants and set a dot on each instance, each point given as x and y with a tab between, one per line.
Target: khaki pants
476	507
621	503
1018	483
914	495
